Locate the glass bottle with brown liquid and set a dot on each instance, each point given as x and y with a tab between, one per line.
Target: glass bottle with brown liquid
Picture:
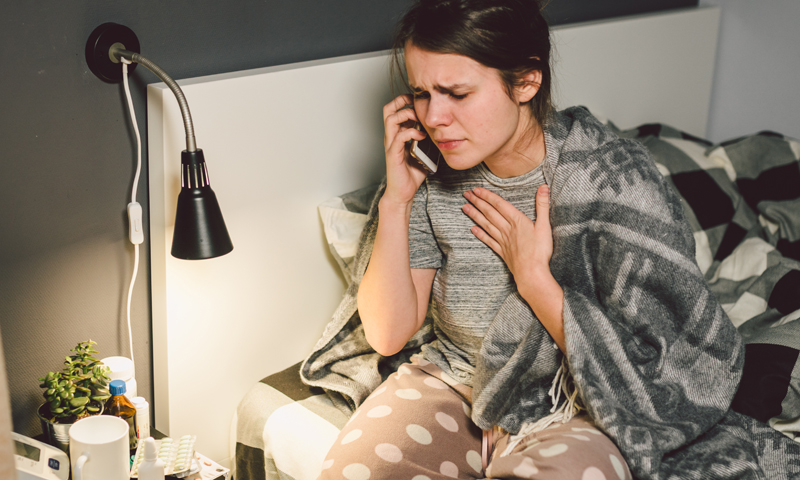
119	406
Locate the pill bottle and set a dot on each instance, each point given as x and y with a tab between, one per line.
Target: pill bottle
142	417
122	369
119	406
152	467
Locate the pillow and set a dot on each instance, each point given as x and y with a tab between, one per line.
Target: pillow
343	219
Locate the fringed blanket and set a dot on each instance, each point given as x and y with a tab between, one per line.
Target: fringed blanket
655	358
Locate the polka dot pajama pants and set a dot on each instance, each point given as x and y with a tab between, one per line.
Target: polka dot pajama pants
417	426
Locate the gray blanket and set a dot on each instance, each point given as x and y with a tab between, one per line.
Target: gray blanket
655	358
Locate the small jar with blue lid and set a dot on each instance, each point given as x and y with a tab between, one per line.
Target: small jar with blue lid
119	406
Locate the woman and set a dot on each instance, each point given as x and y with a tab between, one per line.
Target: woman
618	294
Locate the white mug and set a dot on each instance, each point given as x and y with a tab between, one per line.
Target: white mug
99	448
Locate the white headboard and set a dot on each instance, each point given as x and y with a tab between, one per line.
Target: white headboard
281	140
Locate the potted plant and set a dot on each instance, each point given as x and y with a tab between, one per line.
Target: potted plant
79	390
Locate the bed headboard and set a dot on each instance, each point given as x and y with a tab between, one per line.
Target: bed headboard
281	140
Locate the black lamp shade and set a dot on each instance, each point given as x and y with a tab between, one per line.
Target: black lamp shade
200	230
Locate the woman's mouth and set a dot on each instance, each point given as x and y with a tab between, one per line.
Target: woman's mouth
448	144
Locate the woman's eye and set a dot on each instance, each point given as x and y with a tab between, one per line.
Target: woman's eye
459	97
420	95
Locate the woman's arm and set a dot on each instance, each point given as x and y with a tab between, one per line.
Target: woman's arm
393	297
546	298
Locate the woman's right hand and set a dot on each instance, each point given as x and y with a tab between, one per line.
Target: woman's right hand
403	177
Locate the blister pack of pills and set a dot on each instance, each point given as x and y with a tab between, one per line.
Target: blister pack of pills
176	455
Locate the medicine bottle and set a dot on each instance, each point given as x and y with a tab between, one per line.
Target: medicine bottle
152	467
142	417
121	368
119	406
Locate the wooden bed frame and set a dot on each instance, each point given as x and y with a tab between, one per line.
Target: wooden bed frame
281	140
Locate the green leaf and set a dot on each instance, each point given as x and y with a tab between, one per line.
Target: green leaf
56	410
79	401
92	409
100	398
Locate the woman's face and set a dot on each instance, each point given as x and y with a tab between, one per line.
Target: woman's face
465	108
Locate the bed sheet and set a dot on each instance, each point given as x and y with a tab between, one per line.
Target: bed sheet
284	429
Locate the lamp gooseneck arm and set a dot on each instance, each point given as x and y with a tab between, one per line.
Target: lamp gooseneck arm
116	53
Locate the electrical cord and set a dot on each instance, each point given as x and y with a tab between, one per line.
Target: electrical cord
136	234
125	63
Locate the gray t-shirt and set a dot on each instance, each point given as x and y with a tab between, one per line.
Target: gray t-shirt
472	281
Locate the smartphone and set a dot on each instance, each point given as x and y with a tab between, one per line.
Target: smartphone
426	153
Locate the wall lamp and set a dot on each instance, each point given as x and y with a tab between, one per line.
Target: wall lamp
200	230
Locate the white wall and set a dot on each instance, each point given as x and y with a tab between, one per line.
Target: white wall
758	66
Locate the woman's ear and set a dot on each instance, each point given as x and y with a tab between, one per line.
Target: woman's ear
529	86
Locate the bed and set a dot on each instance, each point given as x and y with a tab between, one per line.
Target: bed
742	198
294	241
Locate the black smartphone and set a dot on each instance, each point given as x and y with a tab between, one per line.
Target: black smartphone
426	153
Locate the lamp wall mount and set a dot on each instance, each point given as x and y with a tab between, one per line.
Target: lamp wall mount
108	44
98	50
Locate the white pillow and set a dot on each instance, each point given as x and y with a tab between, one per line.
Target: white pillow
343	220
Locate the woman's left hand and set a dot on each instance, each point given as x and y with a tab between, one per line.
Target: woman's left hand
525	246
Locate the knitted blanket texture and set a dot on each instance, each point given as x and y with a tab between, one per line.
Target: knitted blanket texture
654	357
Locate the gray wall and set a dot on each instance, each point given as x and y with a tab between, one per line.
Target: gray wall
758	66
68	152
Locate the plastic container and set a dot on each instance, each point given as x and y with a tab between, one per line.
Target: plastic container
152	467
142	417
122	369
178	456
119	406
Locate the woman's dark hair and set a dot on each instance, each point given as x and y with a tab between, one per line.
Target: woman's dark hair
510	36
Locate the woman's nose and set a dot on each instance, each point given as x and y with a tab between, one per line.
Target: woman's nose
438	113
